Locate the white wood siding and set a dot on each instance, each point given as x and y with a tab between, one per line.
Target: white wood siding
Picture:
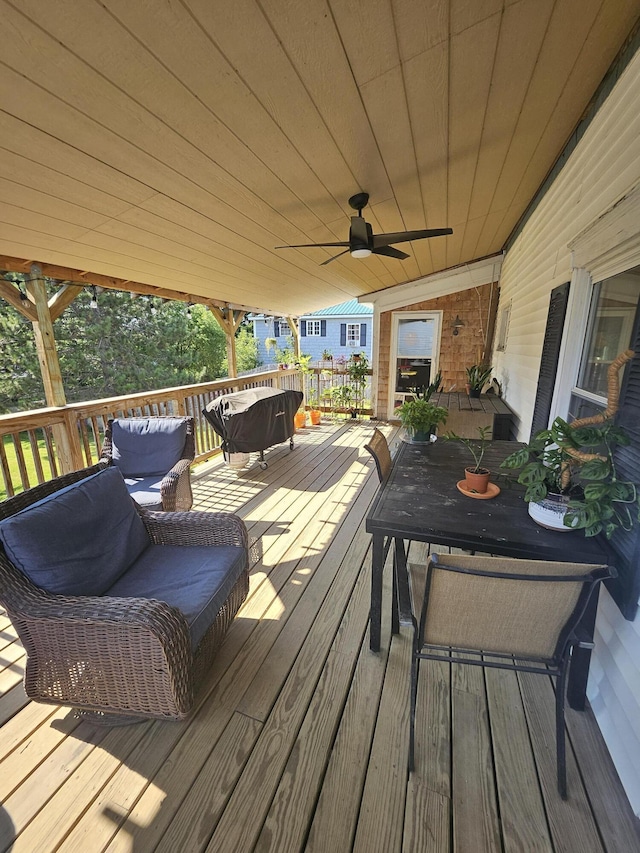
604	167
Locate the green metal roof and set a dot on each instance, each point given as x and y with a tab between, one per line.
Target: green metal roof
344	308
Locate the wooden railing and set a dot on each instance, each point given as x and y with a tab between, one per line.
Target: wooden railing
38	445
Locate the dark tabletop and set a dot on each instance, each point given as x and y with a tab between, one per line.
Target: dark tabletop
420	501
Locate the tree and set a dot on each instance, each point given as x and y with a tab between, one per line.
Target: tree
123	346
246	349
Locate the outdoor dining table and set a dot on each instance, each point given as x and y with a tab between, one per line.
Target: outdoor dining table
420	501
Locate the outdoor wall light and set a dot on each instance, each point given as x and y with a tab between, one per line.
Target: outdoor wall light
188	310
457	325
94	297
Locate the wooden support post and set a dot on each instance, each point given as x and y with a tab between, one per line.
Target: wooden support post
67	441
295	332
229	321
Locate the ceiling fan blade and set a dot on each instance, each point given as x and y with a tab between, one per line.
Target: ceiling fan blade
328	261
390	252
404	236
308	245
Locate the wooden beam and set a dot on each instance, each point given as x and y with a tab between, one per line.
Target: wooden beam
229	320
87	278
67	444
11	295
62	299
295	331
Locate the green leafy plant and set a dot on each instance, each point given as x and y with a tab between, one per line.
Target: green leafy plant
476	447
425	392
579	462
477	376
420	415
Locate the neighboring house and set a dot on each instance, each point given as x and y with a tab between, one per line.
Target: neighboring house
569	295
341	330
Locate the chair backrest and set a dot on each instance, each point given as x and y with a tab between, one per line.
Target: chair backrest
148	446
503	605
379	449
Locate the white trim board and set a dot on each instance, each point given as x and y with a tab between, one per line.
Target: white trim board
442	283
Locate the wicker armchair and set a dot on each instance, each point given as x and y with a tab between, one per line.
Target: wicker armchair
119	659
126	443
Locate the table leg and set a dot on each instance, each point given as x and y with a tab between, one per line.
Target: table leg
402	583
581	658
375	613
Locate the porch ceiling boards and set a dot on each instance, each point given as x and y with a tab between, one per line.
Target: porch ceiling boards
175	144
299	741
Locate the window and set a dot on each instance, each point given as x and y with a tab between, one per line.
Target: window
353	334
314	329
613	307
281	329
415	346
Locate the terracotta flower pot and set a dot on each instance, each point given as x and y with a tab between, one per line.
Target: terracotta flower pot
477	481
315	415
299	419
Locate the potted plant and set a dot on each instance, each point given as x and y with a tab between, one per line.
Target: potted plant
570	471
358	371
476	476
315	415
571	479
420	418
477	377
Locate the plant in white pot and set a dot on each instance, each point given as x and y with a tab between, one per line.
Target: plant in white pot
570	473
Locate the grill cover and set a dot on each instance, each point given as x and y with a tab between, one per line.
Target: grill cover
254	419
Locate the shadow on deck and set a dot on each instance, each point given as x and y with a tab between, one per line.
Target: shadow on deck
300	737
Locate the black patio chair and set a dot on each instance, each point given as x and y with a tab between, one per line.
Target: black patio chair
506	609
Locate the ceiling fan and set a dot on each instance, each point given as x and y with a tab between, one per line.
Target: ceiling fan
363	242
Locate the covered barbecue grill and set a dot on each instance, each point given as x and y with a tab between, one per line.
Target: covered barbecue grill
254	420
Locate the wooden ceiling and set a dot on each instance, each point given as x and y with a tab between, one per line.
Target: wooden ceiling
176	142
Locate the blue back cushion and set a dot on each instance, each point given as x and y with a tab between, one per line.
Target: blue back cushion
147	447
79	540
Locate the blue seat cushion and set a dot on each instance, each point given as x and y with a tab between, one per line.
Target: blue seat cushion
196	579
145	491
80	539
147	447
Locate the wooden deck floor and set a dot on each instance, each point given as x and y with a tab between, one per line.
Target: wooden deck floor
299	740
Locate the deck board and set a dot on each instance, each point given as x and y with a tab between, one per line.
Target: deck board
299	738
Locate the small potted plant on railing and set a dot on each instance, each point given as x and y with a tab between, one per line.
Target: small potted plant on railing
477	377
476	476
420	418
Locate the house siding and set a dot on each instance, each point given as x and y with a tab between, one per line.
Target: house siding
314	345
475	307
604	167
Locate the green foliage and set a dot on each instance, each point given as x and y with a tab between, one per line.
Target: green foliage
121	347
425	392
421	415
600	502
246	350
478	375
476	447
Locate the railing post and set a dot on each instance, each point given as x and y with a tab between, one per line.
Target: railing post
70	455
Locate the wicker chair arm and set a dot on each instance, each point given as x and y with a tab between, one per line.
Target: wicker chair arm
135	654
195	528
